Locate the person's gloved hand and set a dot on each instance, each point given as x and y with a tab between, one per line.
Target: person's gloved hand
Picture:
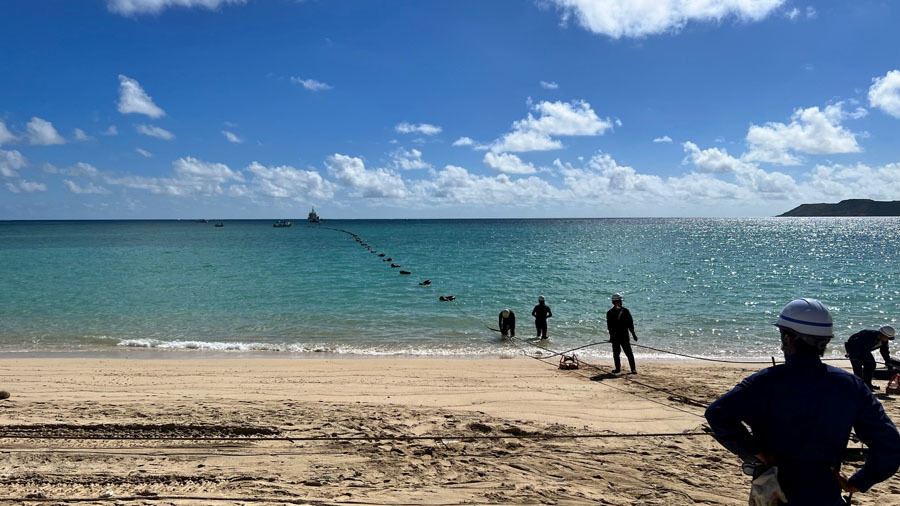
765	490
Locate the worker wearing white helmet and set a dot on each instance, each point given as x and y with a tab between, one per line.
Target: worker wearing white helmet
860	347
506	320
619	324
800	415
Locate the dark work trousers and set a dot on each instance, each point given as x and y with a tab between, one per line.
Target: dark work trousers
541	325
863	364
626	347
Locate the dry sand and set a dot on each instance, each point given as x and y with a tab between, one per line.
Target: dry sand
142	431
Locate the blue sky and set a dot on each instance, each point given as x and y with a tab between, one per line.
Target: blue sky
404	109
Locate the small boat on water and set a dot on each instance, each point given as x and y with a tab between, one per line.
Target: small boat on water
313	217
282	223
220	224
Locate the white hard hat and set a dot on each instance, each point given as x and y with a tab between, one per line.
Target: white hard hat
616	297
807	317
888	331
540	298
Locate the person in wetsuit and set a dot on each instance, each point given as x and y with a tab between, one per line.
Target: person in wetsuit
860	347
799	415
506	320
541	312
619	323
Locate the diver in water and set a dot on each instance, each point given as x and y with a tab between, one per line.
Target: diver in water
506	320
541	312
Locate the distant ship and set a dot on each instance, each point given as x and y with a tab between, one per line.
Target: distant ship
282	223
313	217
220	224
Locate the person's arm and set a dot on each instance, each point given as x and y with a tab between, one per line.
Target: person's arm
549	313
726	416
609	326
631	325
885	352
879	434
500	320
512	324
534	312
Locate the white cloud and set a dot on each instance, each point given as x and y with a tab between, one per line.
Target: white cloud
555	119
885	93
811	12
628	18
191	176
409	160
549	85
508	163
463	141
42	133
81	136
132	7
378	183
792	14
26	186
422	128
88	189
232	137
287	182
747	175
5	135
715	160
311	84
811	131
838	182
664	138
144	153
112	130
456	186
133	99
155	131
80	169
10	162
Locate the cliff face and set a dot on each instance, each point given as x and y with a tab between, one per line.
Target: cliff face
852	207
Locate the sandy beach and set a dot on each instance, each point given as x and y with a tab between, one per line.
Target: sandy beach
366	431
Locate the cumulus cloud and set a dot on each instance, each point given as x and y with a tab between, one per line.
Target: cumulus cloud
79	135
664	138
190	176
408	160
838	182
463	141
133	7
811	131
155	131
42	133
748	175
792	14
287	182
627	18
883	94
352	173
5	135
311	84
26	186
549	85
554	119
80	169
88	189
421	128
232	137
133	99
11	162
112	130
144	153
508	163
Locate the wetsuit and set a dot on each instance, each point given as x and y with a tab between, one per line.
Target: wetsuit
541	312
507	325
801	414
619	324
859	347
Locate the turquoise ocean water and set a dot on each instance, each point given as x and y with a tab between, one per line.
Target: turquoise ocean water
702	286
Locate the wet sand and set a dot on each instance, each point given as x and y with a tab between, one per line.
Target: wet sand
367	431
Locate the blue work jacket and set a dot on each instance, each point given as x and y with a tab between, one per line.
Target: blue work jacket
801	413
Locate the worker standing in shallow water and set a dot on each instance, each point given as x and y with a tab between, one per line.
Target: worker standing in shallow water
506	320
860	347
619	323
541	312
800	415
